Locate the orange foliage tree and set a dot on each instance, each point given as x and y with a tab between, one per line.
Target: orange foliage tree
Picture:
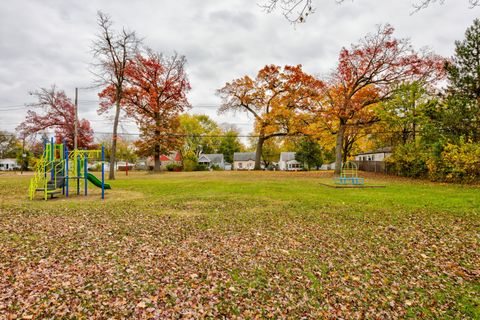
278	99
365	76
154	96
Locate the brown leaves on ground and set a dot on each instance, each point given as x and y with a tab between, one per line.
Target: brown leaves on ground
239	257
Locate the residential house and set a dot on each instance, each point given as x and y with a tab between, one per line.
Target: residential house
374	155
288	162
243	160
328	166
211	160
9	164
174	157
374	161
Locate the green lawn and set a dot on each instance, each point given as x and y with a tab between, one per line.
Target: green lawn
241	244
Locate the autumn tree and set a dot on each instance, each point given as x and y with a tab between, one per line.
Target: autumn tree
113	51
405	114
229	144
155	95
365	76
297	11
201	135
126	149
58	113
277	98
271	150
309	153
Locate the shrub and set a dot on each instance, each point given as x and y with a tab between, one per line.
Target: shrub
215	167
201	167
409	160
189	165
457	163
174	167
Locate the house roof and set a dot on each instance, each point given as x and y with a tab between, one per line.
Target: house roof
177	157
244	156
164	158
171	156
287	156
8	160
380	150
212	158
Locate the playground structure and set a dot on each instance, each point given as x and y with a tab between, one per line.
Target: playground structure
349	175
58	167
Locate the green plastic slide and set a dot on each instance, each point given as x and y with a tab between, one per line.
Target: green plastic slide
97	182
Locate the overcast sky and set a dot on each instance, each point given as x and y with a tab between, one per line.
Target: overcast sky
46	42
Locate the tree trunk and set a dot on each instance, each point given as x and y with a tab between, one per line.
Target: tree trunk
157	164
346	147
258	153
156	148
339	147
113	154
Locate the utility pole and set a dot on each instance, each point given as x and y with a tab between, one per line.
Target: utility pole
24	155
75	121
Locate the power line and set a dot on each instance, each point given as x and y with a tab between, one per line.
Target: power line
11	109
14	106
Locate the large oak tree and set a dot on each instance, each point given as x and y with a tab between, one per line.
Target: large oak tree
155	96
277	99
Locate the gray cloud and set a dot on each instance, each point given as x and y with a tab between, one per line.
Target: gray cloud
48	42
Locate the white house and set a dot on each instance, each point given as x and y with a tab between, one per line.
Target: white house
9	164
243	160
328	166
288	162
213	159
374	155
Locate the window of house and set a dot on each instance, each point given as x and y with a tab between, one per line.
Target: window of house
240	165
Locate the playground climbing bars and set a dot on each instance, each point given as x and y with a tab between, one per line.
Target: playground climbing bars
58	166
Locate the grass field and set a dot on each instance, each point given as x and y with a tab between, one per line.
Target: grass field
241	244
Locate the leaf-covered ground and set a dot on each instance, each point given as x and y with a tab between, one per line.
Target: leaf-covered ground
241	245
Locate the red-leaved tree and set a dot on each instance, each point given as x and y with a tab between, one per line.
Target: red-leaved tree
154	96
58	114
366	75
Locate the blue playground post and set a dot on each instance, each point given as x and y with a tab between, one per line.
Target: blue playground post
103	172
62	155
52	147
66	170
85	169
45	156
77	163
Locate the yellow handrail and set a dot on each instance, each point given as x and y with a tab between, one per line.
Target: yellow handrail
40	176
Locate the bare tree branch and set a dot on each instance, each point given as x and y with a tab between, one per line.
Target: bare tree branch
297	11
112	51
